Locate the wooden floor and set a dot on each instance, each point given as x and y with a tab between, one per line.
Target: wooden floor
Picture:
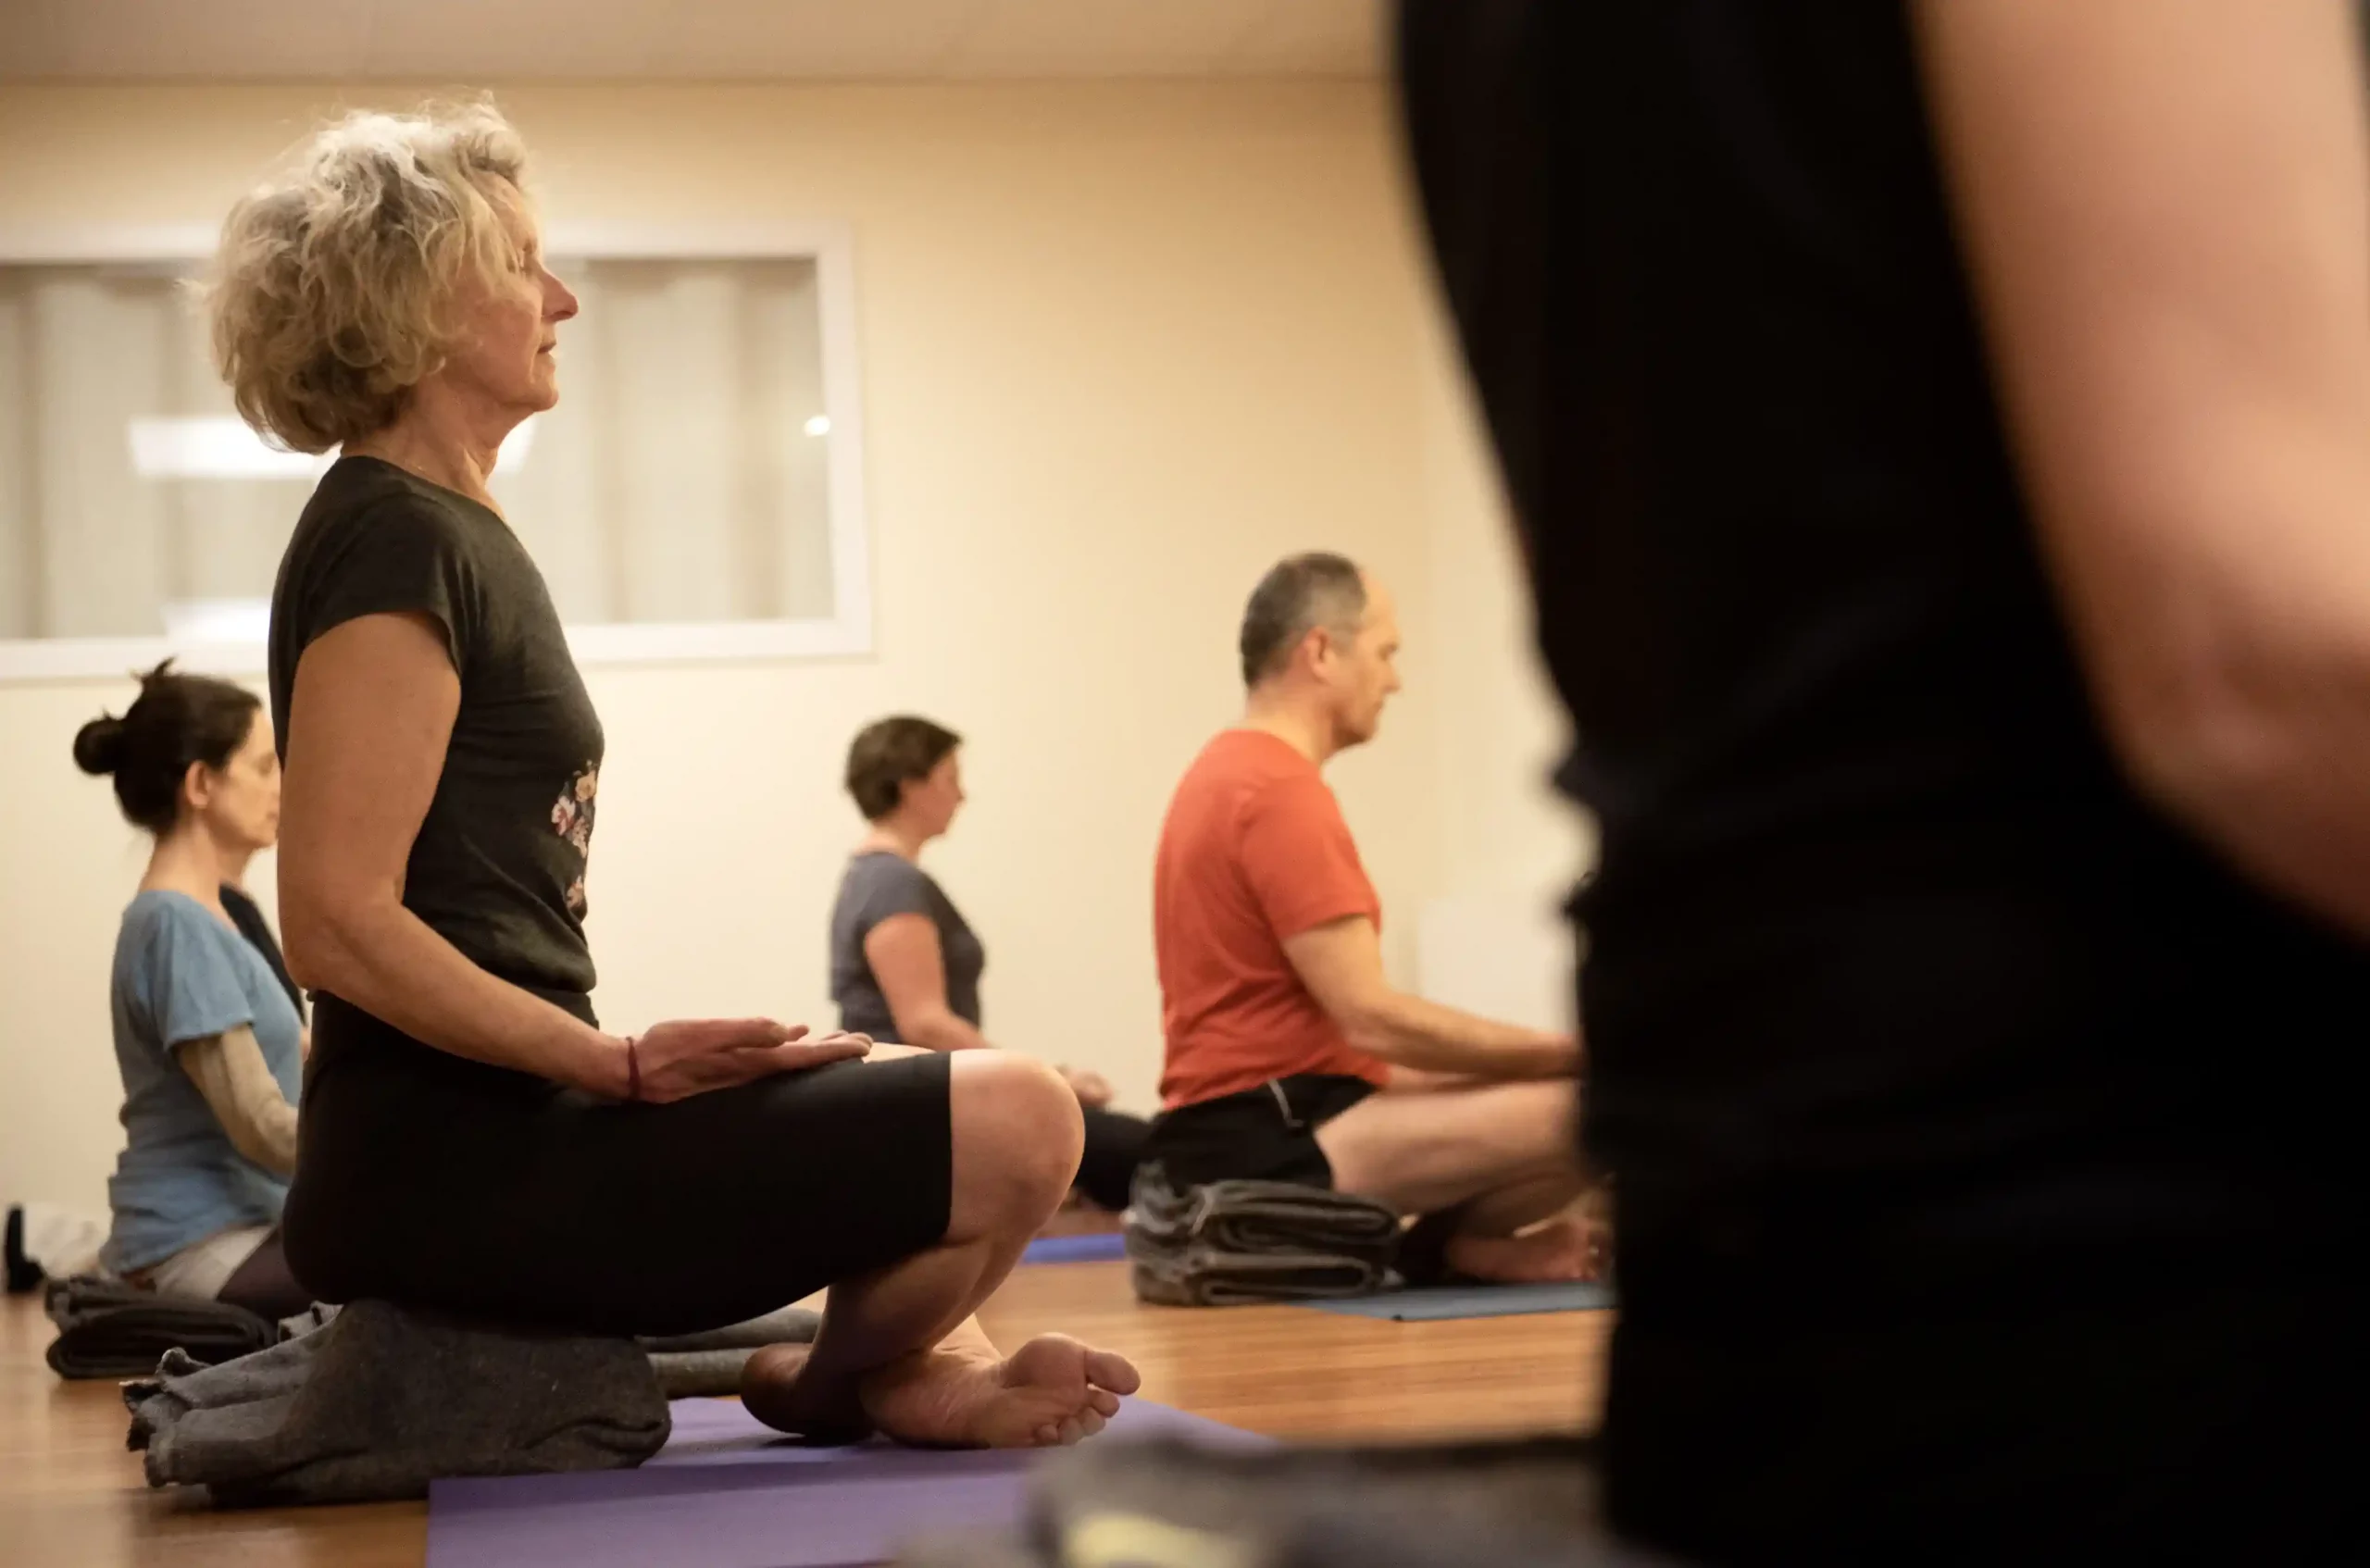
70	1493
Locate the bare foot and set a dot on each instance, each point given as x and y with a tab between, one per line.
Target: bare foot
775	1387
1556	1252
1051	1391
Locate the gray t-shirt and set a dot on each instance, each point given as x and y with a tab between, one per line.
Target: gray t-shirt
879	885
497	868
181	974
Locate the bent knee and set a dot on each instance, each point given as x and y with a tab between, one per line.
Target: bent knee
1543	1102
1016	1125
1544	1114
1007	1087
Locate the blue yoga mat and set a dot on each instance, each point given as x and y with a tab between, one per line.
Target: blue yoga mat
729	1492
1093	1248
1437	1302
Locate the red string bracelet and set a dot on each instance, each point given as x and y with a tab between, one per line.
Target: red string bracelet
633	1071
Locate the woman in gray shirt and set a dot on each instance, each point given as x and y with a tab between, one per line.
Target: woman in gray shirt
906	965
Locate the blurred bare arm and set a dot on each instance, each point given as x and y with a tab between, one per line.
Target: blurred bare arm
2167	207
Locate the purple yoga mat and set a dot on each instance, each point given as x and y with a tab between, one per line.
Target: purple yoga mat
1093	1246
728	1492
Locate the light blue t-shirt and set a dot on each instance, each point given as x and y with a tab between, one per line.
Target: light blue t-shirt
181	974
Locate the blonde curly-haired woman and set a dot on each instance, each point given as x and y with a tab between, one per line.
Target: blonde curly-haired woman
475	1141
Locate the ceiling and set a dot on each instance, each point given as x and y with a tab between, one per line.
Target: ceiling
509	40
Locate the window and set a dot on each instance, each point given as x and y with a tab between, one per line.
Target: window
696	493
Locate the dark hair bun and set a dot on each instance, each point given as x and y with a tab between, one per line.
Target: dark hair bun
177	720
98	745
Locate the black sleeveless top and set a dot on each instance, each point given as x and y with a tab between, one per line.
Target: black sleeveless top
1891	980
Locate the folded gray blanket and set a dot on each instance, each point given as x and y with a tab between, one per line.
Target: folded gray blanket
688	1365
693	1365
380	1401
107	1329
1231	1243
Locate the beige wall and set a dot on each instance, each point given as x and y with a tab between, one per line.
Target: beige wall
1122	345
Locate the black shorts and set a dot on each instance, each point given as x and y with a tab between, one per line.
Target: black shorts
1263	1134
432	1181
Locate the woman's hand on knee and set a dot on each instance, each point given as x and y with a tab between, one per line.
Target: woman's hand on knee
688	1056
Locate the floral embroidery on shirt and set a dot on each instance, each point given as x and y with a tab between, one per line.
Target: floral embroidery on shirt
572	819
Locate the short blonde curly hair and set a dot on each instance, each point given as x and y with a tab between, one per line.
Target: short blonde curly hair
333	292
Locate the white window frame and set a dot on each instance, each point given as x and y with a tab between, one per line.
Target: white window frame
846	633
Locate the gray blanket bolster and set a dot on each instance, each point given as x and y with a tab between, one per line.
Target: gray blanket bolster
1315	1214
698	1366
700	1375
1234	1242
790	1326
379	1402
688	1365
107	1329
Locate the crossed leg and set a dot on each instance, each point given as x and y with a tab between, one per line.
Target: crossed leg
1502	1152
899	1348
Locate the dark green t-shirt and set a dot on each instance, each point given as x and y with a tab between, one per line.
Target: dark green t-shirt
498	866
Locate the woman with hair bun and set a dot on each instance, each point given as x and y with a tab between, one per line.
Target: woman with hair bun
208	1035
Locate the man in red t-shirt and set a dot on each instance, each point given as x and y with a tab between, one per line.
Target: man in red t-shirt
1290	1056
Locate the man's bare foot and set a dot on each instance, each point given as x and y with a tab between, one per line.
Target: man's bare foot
775	1387
1051	1391
1556	1252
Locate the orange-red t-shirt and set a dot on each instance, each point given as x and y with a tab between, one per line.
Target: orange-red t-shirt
1254	851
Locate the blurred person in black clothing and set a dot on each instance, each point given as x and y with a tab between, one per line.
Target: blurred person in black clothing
1940	439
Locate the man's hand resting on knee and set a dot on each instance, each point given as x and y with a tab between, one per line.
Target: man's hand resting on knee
1341	963
688	1056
